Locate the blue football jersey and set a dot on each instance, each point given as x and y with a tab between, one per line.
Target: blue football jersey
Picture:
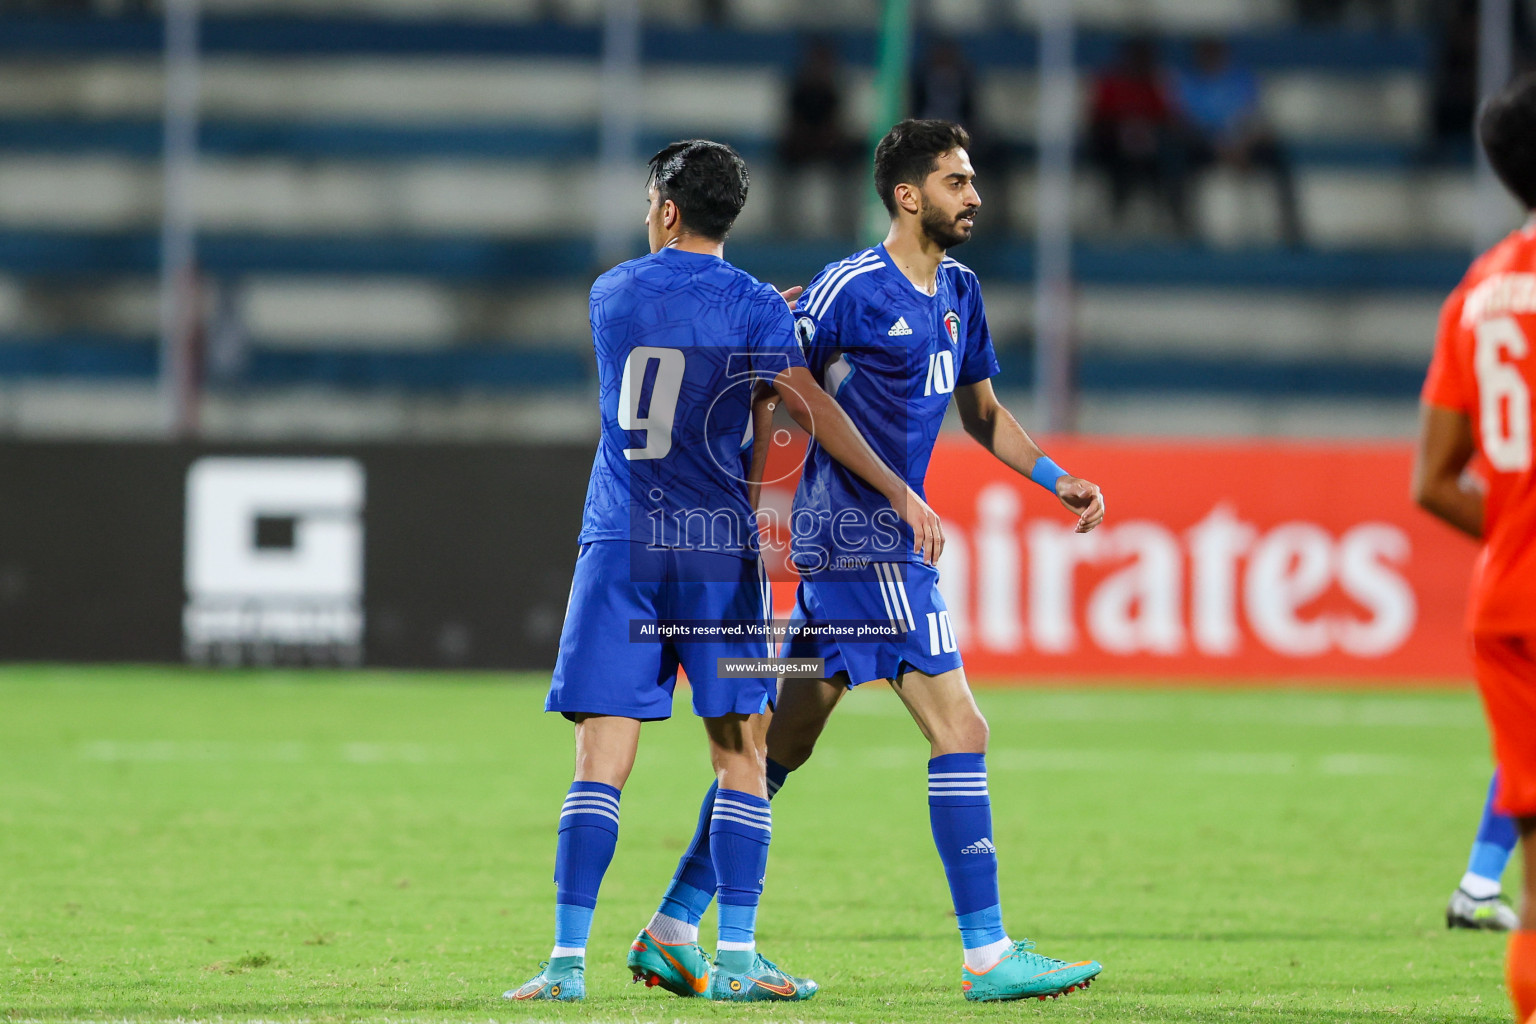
891	356
681	339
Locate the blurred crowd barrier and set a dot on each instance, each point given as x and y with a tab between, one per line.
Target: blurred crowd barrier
1223	561
1226	561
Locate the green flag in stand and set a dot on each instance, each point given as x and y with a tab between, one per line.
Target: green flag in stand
891	76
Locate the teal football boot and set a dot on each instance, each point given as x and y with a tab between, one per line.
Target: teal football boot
1021	974
681	968
761	981
562	979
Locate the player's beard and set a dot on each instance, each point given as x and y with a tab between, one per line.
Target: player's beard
945	231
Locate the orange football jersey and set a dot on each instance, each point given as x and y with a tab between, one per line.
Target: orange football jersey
1485	366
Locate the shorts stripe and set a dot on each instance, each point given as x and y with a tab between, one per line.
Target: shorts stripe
767	593
897	602
901	592
885	595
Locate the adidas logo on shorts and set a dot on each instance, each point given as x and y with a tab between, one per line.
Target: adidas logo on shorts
899	328
982	845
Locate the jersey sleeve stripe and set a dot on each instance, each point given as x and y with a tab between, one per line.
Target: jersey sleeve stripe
819	288
820	307
833	281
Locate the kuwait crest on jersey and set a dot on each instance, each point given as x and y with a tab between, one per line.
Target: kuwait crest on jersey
952	327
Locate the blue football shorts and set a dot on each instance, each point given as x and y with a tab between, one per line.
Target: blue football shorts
608	666
901	595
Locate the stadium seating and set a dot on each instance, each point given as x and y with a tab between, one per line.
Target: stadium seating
400	209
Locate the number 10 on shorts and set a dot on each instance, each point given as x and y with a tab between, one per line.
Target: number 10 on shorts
941	635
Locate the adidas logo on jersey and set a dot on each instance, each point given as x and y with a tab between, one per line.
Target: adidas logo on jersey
982	845
899	328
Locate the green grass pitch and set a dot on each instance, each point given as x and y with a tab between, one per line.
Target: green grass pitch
306	846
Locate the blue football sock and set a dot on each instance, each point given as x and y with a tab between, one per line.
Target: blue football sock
739	832
589	830
1496	835
693	884
960	812
777	773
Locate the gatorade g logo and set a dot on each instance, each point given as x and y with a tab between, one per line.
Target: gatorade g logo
274	561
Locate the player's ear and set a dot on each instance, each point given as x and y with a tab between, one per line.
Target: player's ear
670	214
907	198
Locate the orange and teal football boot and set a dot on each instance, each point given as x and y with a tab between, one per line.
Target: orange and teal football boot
1021	974
562	979
761	980
681	968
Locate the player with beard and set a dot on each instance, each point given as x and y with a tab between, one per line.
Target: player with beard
892	332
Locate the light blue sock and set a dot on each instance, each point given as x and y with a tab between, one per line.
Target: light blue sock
693	884
1496	836
589	831
740	829
960	813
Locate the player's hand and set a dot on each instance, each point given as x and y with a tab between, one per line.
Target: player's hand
791	295
927	531
1082	498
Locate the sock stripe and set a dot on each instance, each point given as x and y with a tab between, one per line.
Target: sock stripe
587	797
957	775
587	810
756	825
726	803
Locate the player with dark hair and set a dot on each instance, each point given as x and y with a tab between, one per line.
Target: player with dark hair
892	332
682	338
1476	403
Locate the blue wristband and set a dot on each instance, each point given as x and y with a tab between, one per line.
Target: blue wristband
1046	473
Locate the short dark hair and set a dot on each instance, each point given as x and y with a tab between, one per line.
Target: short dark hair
910	152
1507	129
707	180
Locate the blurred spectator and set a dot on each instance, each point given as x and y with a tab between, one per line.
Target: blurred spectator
1223	122
1453	84
1132	131
50	7
1379	13
944	87
814	140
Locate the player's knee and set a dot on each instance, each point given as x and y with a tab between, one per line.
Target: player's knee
967	735
791	750
980	734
